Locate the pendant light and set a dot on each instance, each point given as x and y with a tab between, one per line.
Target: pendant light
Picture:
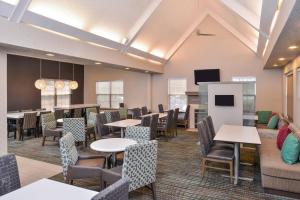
59	84
40	83
73	84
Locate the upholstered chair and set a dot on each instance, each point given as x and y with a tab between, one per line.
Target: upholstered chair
59	113
9	174
77	166
29	124
146	121
174	121
166	126
138	158
76	126
160	108
102	130
123	113
144	110
89	110
153	126
183	118
138	133
136	113
49	127
77	113
91	125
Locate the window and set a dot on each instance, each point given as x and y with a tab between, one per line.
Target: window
110	93
249	92
51	97
177	96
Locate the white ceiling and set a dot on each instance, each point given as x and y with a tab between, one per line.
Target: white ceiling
152	29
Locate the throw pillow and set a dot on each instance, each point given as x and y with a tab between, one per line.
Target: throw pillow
272	124
290	150
282	134
263	116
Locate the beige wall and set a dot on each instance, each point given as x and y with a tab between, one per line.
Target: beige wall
222	51
136	85
3	102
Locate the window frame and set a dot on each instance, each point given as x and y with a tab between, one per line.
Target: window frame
110	93
181	95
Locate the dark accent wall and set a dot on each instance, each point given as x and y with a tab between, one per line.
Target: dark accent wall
22	72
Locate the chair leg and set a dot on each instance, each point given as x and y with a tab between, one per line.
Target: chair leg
231	171
153	188
203	167
44	139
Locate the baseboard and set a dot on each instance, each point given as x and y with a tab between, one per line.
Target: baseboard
282	193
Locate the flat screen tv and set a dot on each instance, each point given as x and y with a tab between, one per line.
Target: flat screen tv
207	75
224	100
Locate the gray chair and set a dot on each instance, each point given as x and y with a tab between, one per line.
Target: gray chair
166	126
138	133
91	125
29	124
123	113
76	126
160	108
210	154
59	113
146	121
77	113
102	130
9	174
139	166
136	113
49	127
174	122
144	110
77	166
116	191
183	118
153	126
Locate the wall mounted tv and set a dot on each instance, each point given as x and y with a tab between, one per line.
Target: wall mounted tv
207	75
224	100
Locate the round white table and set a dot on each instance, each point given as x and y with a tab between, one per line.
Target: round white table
112	145
60	120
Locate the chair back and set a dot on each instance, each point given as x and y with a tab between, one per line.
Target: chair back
211	126
207	131
29	120
153	126
92	119
108	116
204	142
170	119
144	110
102	130
59	113
138	133
89	110
187	112
160	108
76	126
77	113
137	158
175	118
146	121
136	113
48	121
42	113
115	116
68	152
117	191
121	105
123	113
9	174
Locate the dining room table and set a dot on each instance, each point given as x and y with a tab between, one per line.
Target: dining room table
160	115
123	124
238	135
46	189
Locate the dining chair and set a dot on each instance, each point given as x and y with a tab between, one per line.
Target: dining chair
77	166
76	126
115	116
146	121
91	125
103	130
209	154
27	110
166	126
123	113
59	113
77	113
153	126
29	124
136	113
160	108
116	191
144	110
137	158
138	133
39	123
183	118
88	111
49	127
174	121
9	174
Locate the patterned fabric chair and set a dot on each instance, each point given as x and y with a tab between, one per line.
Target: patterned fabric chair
91	125
9	174
123	113
59	113
49	127
144	110
160	108
138	133
77	113
183	118
116	191
76	126
108	116
29	123
76	166
146	121
139	167
153	126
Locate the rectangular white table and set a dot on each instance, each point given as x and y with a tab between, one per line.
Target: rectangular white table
237	135
124	124
46	189
160	115
74	106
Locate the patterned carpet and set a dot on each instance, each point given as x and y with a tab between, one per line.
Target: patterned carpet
178	175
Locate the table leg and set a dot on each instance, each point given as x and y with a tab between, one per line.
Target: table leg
236	162
18	129
114	160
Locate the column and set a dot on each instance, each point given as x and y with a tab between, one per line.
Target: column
3	102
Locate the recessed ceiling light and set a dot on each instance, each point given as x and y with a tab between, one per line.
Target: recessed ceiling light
293	47
127	68
98	63
49	54
281	59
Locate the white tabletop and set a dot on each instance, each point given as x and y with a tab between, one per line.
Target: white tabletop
238	134
112	144
160	115
124	123
77	106
20	115
46	189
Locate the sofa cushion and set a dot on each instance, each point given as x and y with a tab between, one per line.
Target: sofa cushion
282	134
263	116
271	162
267	133
272	124
290	150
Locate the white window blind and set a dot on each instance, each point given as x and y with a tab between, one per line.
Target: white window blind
177	96
110	93
64	95
116	93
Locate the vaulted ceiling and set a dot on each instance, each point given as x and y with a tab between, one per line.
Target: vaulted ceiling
148	29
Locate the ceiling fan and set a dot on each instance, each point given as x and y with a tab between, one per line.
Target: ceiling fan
199	33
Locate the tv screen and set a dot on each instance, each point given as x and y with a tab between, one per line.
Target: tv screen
207	75
224	100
